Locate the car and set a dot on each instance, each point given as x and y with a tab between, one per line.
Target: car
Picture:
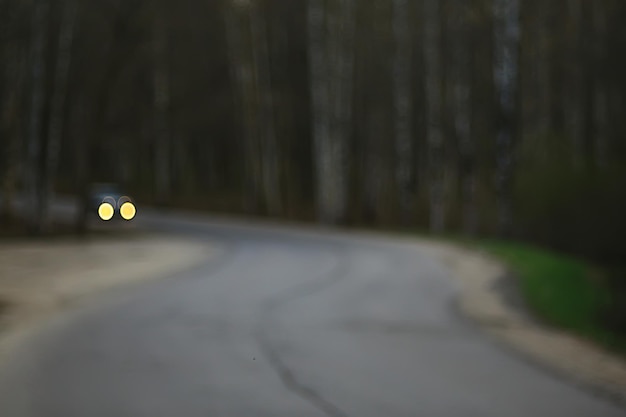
109	203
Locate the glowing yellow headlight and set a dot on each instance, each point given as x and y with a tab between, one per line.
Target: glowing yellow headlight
106	211
128	211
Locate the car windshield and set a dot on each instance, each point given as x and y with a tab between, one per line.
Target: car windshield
101	189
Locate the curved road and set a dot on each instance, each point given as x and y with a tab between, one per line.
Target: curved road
287	323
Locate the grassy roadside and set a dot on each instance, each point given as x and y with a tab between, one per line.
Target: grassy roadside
562	291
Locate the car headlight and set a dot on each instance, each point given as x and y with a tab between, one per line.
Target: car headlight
128	211
106	211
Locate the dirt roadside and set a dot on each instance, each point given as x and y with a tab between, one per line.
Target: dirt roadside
38	279
483	301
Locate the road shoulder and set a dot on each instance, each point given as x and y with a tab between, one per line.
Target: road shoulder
39	279
484	301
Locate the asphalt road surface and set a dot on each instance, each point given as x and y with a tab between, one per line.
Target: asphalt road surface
286	323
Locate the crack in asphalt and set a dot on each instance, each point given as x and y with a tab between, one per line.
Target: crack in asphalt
271	353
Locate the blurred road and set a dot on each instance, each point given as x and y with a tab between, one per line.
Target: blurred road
287	323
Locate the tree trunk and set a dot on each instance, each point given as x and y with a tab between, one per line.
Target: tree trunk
34	172
536	81
402	104
555	29
264	99
573	94
507	32
239	77
10	123
600	95
82	132
461	97
434	135
320	99
161	85
245	82
374	163
586	104
345	65
58	108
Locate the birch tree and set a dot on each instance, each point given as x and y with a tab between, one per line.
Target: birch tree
58	107
506	36
434	119
331	60
402	102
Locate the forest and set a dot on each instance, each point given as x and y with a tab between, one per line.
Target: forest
486	118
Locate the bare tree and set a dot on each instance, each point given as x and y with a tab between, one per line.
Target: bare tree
555	57
601	95
572	95
340	44
266	118
58	108
82	120
161	83
40	24
250	66
536	88
242	80
434	119
320	96
506	36
16	62
402	102
461	104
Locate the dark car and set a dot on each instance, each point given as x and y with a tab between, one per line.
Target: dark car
102	193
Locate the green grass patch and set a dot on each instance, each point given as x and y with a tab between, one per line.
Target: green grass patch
562	291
